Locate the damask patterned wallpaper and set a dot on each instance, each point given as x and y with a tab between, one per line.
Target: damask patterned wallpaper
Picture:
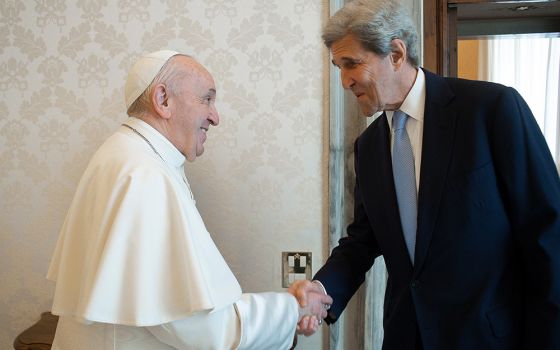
259	185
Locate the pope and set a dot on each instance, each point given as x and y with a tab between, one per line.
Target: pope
135	267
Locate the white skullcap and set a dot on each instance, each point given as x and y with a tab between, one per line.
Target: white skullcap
143	73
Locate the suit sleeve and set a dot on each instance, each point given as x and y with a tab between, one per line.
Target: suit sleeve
345	269
531	188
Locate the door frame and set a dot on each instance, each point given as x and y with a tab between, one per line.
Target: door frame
441	30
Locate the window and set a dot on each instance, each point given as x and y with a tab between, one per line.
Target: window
528	63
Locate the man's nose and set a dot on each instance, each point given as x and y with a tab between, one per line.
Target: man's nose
347	81
214	117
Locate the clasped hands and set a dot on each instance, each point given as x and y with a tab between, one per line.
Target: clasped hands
313	305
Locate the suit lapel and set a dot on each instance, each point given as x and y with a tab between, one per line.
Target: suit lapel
437	149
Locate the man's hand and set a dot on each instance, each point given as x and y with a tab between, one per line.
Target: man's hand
314	304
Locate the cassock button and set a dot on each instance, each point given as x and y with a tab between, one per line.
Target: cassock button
415	284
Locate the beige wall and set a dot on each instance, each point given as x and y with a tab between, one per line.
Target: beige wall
259	185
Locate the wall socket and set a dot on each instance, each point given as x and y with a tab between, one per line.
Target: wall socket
295	266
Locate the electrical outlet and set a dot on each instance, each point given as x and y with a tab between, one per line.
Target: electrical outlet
295	266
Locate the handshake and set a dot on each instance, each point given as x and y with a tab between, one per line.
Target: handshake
313	305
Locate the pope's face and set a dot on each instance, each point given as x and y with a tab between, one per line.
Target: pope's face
368	75
194	111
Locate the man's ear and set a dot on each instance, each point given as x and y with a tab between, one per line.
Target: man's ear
160	101
398	53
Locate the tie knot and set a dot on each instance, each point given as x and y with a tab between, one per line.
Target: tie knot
399	120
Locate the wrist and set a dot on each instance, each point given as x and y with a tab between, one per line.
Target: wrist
319	286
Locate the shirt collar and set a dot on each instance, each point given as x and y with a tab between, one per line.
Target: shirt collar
413	104
415	100
163	146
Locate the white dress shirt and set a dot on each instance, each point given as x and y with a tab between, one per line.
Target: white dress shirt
413	105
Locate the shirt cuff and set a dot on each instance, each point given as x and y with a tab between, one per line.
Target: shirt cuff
321	285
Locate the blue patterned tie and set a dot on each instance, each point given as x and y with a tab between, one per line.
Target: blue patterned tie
405	180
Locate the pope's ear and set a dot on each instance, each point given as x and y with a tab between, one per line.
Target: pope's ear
160	101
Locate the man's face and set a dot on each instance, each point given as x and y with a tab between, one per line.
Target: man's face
369	76
194	111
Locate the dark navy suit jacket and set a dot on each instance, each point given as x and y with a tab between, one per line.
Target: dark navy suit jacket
487	258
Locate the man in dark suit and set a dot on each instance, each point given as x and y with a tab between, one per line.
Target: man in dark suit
478	265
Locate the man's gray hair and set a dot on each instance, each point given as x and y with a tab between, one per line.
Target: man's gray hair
375	23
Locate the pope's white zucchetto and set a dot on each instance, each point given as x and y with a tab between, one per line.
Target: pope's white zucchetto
143	73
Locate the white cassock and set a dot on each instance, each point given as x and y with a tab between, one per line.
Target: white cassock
135	267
